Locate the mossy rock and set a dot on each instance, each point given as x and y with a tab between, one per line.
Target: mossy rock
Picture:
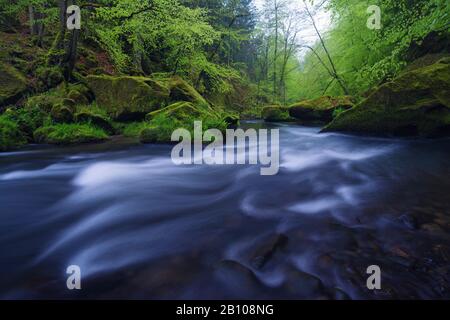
28	119
62	114
98	120
49	77
44	102
180	90
66	134
276	114
417	103
11	137
12	84
231	120
127	98
151	115
320	109
78	97
149	135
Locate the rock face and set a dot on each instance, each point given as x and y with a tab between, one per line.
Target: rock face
417	103
128	98
321	109
12	83
276	114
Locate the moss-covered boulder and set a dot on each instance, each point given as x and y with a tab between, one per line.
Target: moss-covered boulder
62	113
180	90
49	77
320	109
276	114
12	84
66	134
44	102
127	98
417	103
94	117
184	110
11	136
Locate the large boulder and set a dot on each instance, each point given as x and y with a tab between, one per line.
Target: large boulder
276	114
417	103
12	84
128	98
321	109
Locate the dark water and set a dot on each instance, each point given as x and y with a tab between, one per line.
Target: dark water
140	227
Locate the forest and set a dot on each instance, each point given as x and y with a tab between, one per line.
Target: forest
228	59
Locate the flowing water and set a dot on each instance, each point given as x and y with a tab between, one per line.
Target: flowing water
140	227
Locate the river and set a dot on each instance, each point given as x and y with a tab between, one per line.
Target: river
140	227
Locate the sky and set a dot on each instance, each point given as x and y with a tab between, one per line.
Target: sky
307	34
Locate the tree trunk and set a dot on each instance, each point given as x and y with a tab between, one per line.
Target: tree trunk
275	53
336	76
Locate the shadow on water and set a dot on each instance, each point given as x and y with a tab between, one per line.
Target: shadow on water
141	227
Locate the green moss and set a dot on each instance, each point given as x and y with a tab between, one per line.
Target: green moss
44	102
276	114
62	114
64	134
133	129
28	119
320	109
49	77
94	116
180	90
149	135
12	83
127	98
417	103
11	137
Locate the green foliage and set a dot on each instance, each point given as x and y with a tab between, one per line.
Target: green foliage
11	136
64	134
366	57
338	111
28	119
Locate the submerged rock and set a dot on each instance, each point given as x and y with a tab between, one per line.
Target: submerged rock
12	84
321	109
417	103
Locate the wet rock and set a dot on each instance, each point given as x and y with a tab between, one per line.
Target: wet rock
409	221
302	285
239	280
267	250
432	228
339	294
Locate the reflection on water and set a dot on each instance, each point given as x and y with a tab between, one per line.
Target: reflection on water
140	227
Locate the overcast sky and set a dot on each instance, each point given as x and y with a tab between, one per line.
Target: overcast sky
307	34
